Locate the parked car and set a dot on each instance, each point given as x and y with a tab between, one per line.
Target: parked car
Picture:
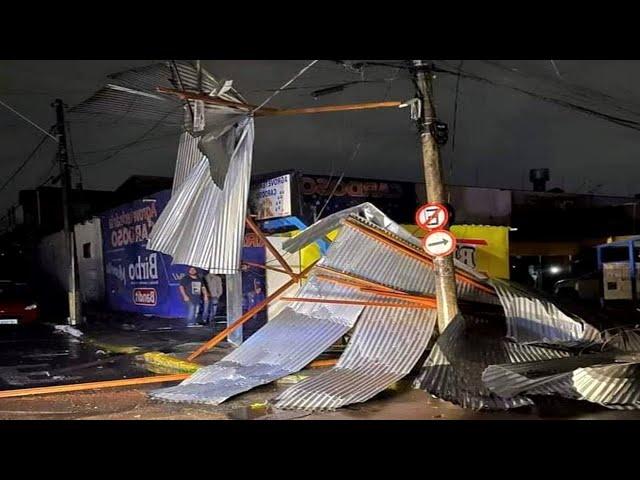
17	305
584	287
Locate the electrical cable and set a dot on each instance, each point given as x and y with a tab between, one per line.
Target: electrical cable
8	107
356	150
295	77
130	144
573	90
455	120
567	104
23	164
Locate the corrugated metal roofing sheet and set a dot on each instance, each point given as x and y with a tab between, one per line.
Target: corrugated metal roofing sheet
188	157
546	377
533	319
322	227
203	226
134	93
386	344
294	338
453	370
614	386
610	379
357	253
625	340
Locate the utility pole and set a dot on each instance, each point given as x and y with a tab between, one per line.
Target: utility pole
436	191
65	176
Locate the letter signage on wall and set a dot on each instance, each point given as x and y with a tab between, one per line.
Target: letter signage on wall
136	279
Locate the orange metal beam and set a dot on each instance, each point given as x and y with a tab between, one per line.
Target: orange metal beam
330	362
247	316
187	95
357	302
269	112
274	251
23	392
405	250
352	281
333	108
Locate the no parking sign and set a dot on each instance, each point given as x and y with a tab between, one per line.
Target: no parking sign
432	216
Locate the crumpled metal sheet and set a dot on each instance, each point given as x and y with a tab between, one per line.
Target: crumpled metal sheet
546	377
453	371
202	225
615	386
188	157
114	101
328	224
533	319
371	215
356	253
133	93
385	346
294	338
610	379
623	339
217	145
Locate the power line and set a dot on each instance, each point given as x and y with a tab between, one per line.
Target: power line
564	103
571	89
73	153
130	144
8	107
23	164
116	147
295	77
356	150
455	121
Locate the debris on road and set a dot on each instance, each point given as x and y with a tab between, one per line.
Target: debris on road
69	330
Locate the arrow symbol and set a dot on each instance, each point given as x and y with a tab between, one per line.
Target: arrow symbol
444	241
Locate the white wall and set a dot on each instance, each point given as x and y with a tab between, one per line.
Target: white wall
54	259
276	279
88	237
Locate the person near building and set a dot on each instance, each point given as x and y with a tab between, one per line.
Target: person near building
193	290
214	286
256	295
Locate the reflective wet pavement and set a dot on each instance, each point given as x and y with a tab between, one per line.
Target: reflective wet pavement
39	357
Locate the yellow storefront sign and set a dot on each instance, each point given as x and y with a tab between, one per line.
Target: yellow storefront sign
491	259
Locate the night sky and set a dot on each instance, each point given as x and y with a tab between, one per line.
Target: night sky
500	134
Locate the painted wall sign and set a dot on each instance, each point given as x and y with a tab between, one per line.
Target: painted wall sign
396	199
272	198
254	283
136	279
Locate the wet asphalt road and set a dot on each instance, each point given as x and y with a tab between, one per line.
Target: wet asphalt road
37	356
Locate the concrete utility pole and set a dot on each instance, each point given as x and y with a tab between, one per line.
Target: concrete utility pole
436	192
65	176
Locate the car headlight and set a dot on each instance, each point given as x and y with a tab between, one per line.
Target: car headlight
33	306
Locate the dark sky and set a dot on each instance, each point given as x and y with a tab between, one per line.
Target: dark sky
500	133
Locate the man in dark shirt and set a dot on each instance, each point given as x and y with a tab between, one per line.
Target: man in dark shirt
193	289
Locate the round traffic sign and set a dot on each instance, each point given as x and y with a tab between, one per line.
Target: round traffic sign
439	243
432	216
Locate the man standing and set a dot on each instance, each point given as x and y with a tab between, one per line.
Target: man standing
214	286
193	290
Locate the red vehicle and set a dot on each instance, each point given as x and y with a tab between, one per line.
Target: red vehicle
17	306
